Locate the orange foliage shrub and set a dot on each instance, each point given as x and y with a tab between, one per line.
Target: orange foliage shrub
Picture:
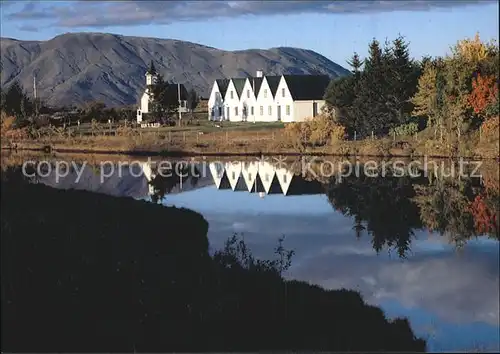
484	93
485	219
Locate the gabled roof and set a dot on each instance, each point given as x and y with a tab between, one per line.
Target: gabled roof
223	84
307	87
239	83
257	81
273	82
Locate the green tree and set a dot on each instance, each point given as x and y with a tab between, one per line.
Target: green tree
192	100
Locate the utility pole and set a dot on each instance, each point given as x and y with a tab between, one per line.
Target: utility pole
179	97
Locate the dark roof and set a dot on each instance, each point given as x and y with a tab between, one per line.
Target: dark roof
224	183
273	82
241	185
300	186
184	93
239	83
307	87
257	81
223	84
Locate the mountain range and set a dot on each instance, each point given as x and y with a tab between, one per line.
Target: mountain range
75	68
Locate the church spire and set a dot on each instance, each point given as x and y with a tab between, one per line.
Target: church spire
152	69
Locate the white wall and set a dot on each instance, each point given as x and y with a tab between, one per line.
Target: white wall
248	100
232	103
265	102
145	102
215	101
304	109
284	101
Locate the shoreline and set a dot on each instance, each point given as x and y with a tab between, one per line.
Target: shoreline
47	148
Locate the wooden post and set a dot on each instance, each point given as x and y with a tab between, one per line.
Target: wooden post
169	136
394	135
372	134
273	135
354	135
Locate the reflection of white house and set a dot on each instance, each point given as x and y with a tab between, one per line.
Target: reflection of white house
261	177
267	98
145	103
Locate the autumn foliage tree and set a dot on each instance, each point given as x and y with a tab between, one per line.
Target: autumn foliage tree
484	95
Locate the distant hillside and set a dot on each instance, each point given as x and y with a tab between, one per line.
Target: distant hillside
74	68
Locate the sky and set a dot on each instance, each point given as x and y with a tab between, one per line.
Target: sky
334	29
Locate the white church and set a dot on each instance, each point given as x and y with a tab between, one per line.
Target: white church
267	98
147	97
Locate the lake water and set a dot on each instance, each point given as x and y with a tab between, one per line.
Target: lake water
411	245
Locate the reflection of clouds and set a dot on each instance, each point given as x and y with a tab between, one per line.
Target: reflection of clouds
456	287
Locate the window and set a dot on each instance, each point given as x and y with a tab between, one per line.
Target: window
283	92
231	93
248	93
267	177
220	111
287	110
251	111
265	93
235	111
284	178
315	109
233	175
270	110
261	110
250	176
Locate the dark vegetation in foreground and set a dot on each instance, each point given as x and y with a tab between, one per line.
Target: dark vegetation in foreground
89	272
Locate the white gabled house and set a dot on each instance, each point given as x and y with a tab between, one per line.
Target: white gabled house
216	100
268	98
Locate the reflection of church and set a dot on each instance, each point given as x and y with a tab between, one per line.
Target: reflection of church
261	177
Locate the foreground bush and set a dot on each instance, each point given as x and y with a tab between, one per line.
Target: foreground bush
317	131
89	272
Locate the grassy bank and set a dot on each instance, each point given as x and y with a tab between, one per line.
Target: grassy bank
108	275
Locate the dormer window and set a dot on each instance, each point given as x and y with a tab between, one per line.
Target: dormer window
283	92
265	93
248	93
231	93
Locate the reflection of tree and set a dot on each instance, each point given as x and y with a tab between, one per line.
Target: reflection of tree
384	204
390	208
169	178
444	208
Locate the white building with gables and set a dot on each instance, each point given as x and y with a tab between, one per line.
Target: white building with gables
267	98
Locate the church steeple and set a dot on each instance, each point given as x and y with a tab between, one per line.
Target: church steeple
152	69
151	74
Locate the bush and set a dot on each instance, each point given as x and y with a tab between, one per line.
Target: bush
405	129
317	131
490	126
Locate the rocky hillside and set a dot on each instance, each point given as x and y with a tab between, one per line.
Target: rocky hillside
74	68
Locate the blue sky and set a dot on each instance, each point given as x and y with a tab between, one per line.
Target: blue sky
333	28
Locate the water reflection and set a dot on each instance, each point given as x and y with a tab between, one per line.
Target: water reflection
345	231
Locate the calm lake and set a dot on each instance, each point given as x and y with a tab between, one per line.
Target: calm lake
422	244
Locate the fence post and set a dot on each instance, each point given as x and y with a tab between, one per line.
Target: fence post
197	137
227	136
354	135
169	136
480	133
394	135
372	134
273	135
